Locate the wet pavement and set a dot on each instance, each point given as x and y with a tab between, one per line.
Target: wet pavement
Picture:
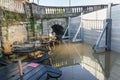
71	58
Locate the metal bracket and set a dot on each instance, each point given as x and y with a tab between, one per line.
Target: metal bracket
75	37
67	30
107	29
79	31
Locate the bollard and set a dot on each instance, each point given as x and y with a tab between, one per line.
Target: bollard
20	67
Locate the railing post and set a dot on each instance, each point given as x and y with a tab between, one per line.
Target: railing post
108	29
43	11
108	34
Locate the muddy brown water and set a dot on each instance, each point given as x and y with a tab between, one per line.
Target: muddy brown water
102	65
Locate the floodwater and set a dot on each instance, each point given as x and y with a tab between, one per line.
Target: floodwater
79	62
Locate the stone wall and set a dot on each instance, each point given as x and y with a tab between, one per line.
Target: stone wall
15	33
47	24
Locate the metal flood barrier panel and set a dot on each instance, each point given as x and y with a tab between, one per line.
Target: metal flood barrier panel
74	25
91	30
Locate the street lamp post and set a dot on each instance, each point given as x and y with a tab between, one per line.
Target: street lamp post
38	1
69	3
69	19
35	1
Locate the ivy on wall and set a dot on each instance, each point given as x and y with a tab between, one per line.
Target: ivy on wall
32	25
6	22
32	20
40	26
9	19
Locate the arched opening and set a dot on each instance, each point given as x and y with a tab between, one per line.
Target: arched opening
59	31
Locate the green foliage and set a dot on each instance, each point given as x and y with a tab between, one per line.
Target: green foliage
40	26
32	24
6	22
17	17
59	11
13	56
8	16
62	12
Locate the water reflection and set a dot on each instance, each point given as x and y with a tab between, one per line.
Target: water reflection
69	54
103	59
